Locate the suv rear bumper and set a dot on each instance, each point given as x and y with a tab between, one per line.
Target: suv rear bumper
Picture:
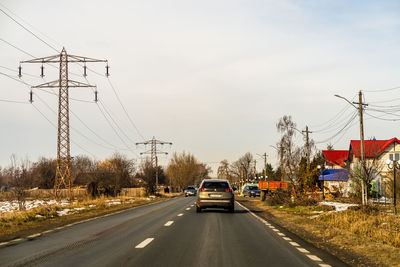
215	203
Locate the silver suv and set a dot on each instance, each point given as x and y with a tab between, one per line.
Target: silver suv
214	193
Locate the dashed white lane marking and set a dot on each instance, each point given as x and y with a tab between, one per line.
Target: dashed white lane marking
187	208
275	230
180	214
144	243
303	250
168	223
287	238
313	257
294	244
281	234
191	205
324	265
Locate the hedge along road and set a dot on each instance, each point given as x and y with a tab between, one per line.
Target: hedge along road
168	233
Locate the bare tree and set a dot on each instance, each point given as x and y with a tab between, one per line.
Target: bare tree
148	174
290	153
244	167
184	169
19	180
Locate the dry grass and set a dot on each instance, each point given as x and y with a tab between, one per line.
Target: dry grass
20	223
360	237
376	225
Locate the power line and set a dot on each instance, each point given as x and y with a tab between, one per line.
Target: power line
15	79
13	101
16	47
5	13
116	124
382	90
10	69
44	116
123	107
112	127
341	130
15	15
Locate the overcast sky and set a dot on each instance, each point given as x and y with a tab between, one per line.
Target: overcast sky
213	77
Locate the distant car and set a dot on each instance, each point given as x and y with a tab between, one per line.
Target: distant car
251	191
215	193
190	191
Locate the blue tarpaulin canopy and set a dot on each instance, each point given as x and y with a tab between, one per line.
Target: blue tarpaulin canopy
341	175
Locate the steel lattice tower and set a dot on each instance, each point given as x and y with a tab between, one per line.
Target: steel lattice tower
153	152
63	171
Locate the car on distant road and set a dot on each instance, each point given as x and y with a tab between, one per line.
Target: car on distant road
251	191
215	193
190	191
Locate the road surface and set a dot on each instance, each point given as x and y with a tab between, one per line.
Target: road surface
168	233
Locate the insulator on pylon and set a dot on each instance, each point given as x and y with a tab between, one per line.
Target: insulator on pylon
31	96
20	71
42	71
95	96
84	70
107	72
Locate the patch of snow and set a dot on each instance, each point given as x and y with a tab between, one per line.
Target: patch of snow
63	212
39	216
79	208
338	206
91	206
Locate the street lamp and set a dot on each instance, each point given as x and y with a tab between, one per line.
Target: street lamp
323	182
392	164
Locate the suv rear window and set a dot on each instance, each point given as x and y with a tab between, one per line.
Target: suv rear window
253	187
190	187
215	185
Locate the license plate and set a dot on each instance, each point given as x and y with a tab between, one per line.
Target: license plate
215	195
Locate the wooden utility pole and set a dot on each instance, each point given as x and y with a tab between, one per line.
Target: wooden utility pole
308	149
282	169
362	148
265	166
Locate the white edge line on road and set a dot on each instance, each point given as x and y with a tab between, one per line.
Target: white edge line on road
313	257
168	223
304	251
33	236
180	214
144	243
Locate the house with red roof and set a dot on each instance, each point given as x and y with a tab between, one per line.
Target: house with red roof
335	159
376	154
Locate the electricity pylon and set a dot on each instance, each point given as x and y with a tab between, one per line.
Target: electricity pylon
63	171
153	152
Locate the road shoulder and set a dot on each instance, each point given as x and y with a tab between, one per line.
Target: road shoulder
312	232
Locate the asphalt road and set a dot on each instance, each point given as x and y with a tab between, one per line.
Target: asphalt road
169	233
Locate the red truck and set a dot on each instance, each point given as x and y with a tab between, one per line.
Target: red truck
267	187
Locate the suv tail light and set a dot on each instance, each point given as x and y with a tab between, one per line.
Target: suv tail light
228	190
202	189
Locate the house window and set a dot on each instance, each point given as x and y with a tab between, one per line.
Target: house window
394	156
